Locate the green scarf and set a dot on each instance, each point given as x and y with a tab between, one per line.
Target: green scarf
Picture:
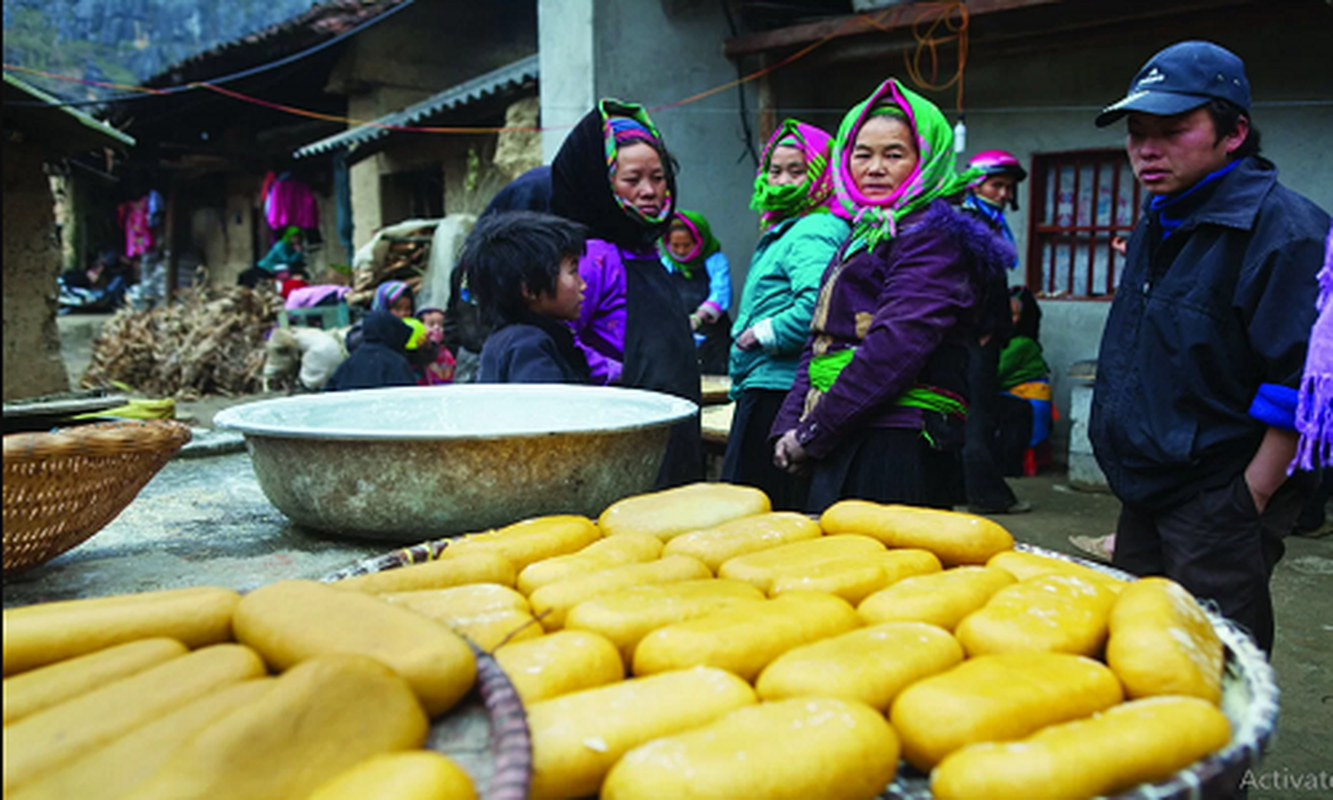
813	194
705	243
876	221
825	369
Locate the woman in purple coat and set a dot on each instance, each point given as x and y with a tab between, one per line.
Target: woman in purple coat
878	407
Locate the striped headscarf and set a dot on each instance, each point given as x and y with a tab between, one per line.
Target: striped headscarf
875	221
582	176
814	194
621	131
387	293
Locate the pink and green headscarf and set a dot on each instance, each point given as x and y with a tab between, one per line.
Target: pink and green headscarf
875	221
705	243
814	194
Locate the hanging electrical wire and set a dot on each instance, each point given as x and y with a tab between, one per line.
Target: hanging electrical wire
930	14
142	92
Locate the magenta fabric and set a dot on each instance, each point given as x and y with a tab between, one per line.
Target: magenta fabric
290	202
133	219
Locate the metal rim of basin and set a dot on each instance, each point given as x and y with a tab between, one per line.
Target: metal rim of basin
265	417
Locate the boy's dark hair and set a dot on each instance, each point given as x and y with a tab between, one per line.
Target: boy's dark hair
509	253
1226	116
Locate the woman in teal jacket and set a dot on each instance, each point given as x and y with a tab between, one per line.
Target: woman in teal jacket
793	190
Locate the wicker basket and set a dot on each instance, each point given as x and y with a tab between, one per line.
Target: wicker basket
487	733
60	488
1249	699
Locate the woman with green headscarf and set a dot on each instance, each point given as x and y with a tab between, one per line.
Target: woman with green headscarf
878	405
285	258
793	191
701	273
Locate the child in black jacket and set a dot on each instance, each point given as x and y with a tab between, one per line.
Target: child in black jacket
380	361
523	270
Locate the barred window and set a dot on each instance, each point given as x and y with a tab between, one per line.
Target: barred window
1079	202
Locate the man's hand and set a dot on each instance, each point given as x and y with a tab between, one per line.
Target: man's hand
747	340
789	455
1267	471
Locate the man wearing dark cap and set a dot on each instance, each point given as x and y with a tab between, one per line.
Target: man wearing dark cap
1192	417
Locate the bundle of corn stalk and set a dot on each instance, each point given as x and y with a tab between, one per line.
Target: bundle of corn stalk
209	341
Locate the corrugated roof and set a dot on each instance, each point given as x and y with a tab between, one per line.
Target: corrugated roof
77	129
319	23
496	81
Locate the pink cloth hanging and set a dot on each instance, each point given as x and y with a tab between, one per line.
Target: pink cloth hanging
290	202
132	217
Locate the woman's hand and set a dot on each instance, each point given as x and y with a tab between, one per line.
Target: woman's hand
747	340
789	455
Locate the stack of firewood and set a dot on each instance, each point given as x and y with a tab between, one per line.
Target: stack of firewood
400	252
209	341
408	255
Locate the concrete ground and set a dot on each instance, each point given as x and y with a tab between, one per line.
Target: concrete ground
205	520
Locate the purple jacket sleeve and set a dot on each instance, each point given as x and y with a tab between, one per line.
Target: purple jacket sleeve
926	289
600	329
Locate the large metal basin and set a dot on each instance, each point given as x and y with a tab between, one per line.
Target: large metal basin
409	464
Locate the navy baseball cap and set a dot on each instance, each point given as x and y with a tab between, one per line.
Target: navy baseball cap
1182	77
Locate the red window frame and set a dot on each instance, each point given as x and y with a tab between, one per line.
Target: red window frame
1078	202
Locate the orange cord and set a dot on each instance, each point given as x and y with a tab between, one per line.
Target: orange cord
936	13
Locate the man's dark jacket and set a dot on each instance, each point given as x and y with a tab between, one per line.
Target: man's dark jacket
1202	318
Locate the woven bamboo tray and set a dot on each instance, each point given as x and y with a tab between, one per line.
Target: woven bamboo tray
60	488
487	732
1249	700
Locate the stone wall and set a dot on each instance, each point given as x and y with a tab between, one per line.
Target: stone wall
32	364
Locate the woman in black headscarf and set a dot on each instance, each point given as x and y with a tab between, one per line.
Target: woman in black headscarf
614	175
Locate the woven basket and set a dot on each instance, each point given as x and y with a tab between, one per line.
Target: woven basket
60	488
487	733
1249	699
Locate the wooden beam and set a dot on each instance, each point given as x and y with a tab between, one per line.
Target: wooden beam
855	24
1076	27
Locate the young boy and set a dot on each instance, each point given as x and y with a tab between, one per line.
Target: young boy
523	269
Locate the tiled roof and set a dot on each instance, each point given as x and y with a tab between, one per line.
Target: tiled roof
321	22
498	81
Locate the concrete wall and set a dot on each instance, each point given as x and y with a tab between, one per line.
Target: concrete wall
566	44
32	363
657	53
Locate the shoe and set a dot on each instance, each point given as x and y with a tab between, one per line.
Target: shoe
1018	507
1099	547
